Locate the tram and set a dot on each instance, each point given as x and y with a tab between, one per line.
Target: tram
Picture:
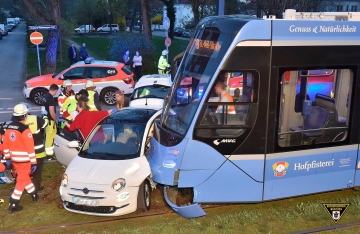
293	129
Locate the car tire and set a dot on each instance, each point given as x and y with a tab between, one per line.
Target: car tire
108	96
144	197
37	96
101	31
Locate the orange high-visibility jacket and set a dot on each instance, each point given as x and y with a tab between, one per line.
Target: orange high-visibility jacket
19	143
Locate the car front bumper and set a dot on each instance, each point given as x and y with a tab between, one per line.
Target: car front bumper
108	202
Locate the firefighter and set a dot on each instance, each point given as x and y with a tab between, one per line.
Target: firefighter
66	93
94	102
50	130
37	125
19	147
163	64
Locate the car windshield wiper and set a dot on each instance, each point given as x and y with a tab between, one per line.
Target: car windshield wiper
110	154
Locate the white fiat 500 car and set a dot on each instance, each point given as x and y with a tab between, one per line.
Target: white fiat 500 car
150	91
110	174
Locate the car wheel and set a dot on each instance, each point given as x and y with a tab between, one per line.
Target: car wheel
108	96
144	196
38	96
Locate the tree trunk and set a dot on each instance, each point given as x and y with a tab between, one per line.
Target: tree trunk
195	8
51	49
145	9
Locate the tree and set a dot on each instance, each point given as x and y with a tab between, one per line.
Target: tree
171	14
145	9
47	15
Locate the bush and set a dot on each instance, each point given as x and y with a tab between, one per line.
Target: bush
157	19
134	42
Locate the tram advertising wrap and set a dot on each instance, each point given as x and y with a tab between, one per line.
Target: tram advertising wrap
262	109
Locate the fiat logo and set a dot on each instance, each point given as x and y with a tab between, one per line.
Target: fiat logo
85	190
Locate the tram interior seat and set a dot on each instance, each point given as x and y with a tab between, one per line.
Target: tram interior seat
329	104
317	119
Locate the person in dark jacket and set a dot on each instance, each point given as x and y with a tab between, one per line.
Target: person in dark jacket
72	54
83	52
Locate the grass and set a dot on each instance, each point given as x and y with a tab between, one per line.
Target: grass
281	216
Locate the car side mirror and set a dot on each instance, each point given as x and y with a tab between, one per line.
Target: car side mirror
73	144
61	77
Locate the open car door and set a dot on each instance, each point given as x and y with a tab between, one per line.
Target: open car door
63	153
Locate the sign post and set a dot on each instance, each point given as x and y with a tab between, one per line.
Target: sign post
36	38
166	25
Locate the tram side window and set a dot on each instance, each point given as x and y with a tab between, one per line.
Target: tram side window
229	106
314	106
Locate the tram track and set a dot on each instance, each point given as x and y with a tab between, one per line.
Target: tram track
330	228
97	222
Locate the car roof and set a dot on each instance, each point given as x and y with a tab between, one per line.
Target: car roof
158	79
130	115
97	63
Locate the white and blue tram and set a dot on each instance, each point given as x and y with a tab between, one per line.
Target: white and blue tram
291	126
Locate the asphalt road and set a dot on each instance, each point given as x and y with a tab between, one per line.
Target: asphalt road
12	67
13	74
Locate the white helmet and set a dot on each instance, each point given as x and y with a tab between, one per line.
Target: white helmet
20	109
67	83
164	52
89	84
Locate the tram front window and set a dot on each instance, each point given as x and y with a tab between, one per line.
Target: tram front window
203	56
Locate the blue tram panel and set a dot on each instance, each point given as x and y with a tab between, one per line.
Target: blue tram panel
231	156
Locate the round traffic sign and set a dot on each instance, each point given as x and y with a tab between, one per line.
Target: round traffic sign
167	42
166	23
36	38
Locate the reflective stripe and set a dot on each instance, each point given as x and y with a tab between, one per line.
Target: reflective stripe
32	154
7	155
19	153
29	186
36	131
49	148
39	146
15	197
6	150
46	123
20	159
33	160
30	190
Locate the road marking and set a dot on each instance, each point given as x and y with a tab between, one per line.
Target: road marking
6	98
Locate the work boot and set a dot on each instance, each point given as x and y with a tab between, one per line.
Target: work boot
34	196
14	206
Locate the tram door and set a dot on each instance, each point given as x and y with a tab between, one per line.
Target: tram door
312	145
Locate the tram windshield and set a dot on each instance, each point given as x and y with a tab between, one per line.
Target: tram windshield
200	62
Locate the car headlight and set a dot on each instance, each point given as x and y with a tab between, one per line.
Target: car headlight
118	184
64	181
26	86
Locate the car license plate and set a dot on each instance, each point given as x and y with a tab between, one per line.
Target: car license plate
85	202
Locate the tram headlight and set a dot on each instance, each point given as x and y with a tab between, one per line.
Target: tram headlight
64	181
118	184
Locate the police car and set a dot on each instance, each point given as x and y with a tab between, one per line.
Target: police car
108	77
108	174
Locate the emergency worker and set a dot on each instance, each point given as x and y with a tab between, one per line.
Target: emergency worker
19	147
71	105
163	64
224	96
94	102
36	125
50	130
66	93
2	166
